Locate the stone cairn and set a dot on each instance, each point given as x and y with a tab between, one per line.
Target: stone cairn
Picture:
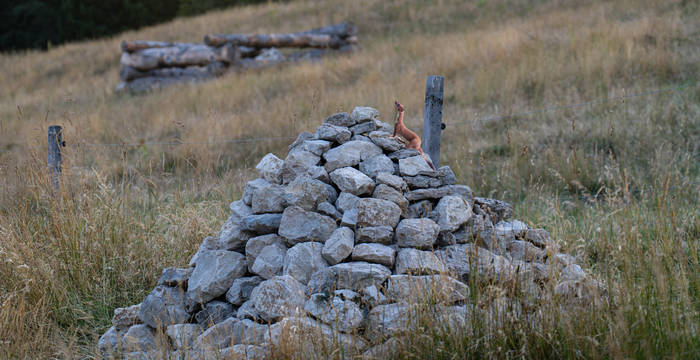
338	244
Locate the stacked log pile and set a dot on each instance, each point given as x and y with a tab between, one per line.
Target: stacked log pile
344	243
147	65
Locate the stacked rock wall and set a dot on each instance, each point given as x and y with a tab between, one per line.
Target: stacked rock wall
337	244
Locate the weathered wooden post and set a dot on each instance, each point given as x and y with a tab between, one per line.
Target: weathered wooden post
54	156
432	117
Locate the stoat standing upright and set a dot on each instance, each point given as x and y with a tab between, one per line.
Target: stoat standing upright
413	141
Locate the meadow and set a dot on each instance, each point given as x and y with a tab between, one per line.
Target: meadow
584	115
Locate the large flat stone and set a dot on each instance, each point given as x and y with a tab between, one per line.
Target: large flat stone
418	262
304	259
377	212
338	246
374	253
164	306
350	154
278	297
359	274
213	276
351	180
433	288
417	233
255	245
299	225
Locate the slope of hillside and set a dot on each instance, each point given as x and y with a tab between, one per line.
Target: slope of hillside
614	178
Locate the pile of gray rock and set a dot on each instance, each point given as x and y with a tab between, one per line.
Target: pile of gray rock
339	245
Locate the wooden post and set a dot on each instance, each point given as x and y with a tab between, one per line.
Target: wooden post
432	117
54	156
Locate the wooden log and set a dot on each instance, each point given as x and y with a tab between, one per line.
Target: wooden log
343	30
217	68
276	40
181	55
136	45
332	36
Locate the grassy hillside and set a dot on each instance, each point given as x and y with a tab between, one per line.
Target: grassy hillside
614	178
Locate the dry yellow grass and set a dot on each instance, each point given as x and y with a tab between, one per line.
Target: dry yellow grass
616	181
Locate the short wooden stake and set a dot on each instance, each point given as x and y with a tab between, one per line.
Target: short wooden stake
54	156
432	117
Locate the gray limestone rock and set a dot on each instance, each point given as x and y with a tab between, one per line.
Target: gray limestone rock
385	350
352	181
539	237
505	232
358	275
525	251
342	315
183	336
413	166
390	319
164	306
305	193
497	210
261	224
338	246
232	237
340	119
268	199
242	351
140	338
347	294
332	193
363	128
270	261
317	173
346	201
452	212
384	127
371	296
316	336
298	162
423	182
299	225
125	317
463	235
403	154
323	281
247	311
339	134
362	114
433	288
386	192
420	209
239	210
418	262
110	342
384	140
377	212
304	259
241	288
270	168
422	194
358	137
255	245
447	176
375	234
209	243
374	253
278	297
303	136
462	259
214	312
394	181
572	272
350	154
316	147
376	165
250	188
212	277
175	277
417	233
349	218
325	208
231	332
